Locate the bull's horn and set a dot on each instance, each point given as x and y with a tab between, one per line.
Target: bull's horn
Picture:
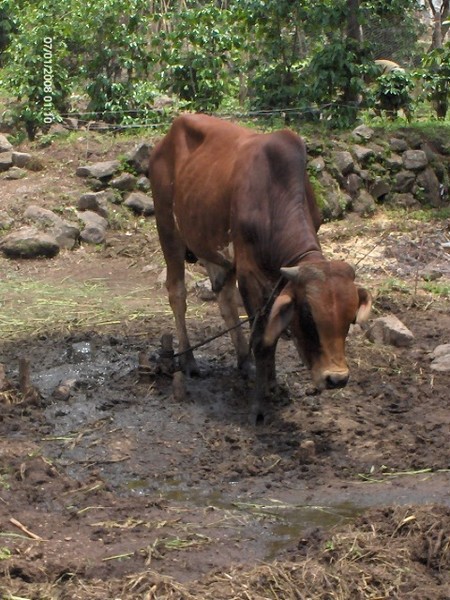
291	273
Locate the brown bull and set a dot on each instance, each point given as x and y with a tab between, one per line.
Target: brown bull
242	203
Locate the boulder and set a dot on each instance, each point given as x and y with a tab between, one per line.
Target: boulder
66	234
5	144
94	201
394	162
28	242
404	181
353	184
343	161
398	145
391	331
364	204
138	158
6	161
126	182
99	170
380	189
332	202
363	154
21	159
95	227
143	183
363	132
405	200
15	173
429	187
415	160
317	164
5	220
140	203
42	215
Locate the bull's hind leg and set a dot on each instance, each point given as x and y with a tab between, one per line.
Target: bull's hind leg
229	311
174	251
176	288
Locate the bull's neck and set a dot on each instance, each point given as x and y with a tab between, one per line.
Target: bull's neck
312	254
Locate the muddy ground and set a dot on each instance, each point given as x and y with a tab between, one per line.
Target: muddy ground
119	488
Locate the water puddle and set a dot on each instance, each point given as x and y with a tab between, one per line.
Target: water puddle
282	525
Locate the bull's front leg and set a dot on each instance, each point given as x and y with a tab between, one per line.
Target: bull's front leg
265	377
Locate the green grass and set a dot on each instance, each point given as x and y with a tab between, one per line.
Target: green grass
32	308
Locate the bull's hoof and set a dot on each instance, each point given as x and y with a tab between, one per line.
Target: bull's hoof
247	368
258	415
189	365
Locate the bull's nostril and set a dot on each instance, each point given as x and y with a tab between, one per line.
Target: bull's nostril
336	380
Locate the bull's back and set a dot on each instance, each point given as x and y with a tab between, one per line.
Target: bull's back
197	158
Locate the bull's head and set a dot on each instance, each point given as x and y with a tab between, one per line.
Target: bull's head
318	304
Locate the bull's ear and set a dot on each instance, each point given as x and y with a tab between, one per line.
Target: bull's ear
279	318
365	305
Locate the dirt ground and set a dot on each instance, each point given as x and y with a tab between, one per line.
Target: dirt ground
121	486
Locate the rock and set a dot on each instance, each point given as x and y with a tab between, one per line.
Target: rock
394	162
391	331
429	188
333	201
317	164
363	154
380	189
94	201
95	227
140	203
21	159
143	183
66	234
71	123
441	364
126	182
415	160
5	220
204	291
343	161
441	350
364	204
42	215
404	181
99	170
28	242
139	157
405	201
15	173
5	144
430	273
363	132
5	161
398	145
352	184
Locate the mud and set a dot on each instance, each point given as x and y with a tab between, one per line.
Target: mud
116	477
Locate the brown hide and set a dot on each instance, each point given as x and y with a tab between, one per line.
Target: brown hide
241	202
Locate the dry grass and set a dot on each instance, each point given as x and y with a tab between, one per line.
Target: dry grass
393	553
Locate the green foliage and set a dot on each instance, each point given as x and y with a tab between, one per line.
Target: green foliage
36	72
336	74
393	29
436	77
392	92
197	54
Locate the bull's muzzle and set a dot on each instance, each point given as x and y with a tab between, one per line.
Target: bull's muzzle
331	380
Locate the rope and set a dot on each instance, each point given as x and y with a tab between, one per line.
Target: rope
258	315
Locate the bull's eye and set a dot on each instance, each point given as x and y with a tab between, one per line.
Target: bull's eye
308	327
